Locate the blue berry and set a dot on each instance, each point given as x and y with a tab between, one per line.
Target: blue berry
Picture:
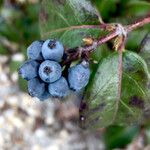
78	76
35	87
52	50
34	50
44	96
29	69
59	88
50	71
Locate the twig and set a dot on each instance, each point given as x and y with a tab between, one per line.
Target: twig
104	39
137	24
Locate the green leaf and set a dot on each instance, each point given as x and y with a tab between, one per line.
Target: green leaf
59	19
144	52
138	8
101	52
145	49
134	39
118	136
102	107
106	7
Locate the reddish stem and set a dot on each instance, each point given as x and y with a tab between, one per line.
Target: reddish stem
106	38
139	23
113	34
100	41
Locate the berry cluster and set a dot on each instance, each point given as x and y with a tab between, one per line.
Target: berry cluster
43	71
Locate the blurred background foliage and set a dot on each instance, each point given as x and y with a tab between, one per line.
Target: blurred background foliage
19	26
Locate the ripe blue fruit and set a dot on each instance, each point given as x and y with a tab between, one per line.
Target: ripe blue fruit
44	96
36	87
52	50
34	50
29	69
78	76
59	88
50	71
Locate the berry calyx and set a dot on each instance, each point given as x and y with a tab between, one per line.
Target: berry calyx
50	71
52	50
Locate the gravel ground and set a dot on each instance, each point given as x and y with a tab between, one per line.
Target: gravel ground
28	124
